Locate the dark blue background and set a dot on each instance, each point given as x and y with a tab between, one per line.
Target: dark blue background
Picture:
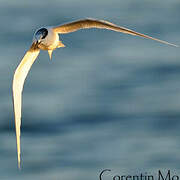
107	100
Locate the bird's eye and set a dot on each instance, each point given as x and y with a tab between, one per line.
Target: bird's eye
43	32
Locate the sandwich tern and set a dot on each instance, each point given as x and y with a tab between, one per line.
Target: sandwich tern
47	38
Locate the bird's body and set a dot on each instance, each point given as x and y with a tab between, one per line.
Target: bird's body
47	38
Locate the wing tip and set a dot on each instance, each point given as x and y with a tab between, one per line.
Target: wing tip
171	44
174	45
19	165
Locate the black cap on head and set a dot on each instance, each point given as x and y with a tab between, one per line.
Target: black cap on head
43	32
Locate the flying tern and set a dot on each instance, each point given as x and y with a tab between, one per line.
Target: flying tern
47	38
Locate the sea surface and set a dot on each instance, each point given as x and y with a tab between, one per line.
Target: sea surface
106	101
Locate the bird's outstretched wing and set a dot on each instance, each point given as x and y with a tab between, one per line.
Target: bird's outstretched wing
93	23
18	82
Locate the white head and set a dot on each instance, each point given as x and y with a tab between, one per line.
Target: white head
46	39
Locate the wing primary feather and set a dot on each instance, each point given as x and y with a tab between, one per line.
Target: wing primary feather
18	82
93	23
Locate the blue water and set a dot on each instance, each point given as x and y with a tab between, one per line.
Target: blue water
107	100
